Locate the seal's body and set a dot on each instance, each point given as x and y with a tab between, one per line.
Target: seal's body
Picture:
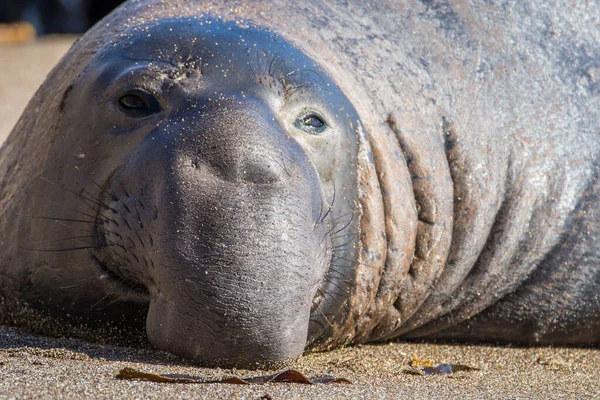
249	182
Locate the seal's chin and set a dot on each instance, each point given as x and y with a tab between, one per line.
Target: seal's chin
171	327
236	311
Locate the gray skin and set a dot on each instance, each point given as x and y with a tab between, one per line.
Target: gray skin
247	181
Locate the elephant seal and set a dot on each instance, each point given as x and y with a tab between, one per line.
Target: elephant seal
250	180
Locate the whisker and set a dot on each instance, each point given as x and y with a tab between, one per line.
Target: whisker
341	245
330	204
345	226
312	71
352	261
353	233
63	219
111	194
58	250
61	240
98	203
98	200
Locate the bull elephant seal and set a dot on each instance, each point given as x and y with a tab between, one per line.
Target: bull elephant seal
251	180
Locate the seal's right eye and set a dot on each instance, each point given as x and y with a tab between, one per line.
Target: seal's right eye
311	122
138	104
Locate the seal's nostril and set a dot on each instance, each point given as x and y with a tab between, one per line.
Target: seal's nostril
255	172
260	173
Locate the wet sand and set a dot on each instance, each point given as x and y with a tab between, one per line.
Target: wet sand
34	366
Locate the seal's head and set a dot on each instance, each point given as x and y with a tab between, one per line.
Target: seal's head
219	164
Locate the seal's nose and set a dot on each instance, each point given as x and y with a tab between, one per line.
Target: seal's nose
239	143
239	161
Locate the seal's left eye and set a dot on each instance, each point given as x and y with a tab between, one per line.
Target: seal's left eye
311	122
138	105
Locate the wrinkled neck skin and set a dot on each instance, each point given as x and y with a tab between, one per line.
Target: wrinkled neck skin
203	173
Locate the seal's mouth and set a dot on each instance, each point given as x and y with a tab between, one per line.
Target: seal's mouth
121	283
111	246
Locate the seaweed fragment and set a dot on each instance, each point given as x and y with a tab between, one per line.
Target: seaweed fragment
287	376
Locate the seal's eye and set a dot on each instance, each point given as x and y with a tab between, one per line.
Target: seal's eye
311	122
138	104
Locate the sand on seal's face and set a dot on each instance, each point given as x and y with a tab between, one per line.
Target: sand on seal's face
40	367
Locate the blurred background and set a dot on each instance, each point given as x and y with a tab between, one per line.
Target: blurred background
34	35
56	16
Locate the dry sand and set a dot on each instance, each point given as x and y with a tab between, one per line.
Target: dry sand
34	366
39	367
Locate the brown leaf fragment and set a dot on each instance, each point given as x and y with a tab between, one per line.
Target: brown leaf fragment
287	376
293	376
290	375
129	373
232	380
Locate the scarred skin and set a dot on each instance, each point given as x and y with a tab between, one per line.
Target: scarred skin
239	182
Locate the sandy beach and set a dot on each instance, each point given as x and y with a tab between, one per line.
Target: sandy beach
33	366
39	367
